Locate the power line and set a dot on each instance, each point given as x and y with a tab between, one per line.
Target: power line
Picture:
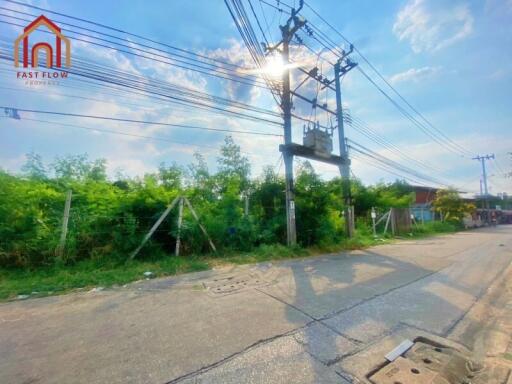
122	31
164	97
364	158
178	92
113	132
192	67
382	159
239	16
497	164
125	93
330	45
363	128
245	27
407	114
387	82
138	121
191	53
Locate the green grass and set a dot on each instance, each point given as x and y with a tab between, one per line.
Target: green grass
106	273
88	274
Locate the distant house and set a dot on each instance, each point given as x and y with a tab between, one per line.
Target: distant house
422	205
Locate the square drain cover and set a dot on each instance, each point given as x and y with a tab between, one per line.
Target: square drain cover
232	284
403	371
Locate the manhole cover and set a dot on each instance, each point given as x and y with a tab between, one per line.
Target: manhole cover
232	284
427	362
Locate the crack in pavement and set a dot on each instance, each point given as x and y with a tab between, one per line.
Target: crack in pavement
291	332
321	320
258	343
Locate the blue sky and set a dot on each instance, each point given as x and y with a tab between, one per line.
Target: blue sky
452	60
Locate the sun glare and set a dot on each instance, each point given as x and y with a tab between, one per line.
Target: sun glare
275	67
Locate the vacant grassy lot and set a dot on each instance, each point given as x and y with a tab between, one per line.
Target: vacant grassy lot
58	279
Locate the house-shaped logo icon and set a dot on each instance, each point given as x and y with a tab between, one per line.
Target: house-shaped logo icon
34	59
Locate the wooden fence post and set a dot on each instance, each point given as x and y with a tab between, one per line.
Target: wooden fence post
388	220
393	221
374	216
200	225
154	227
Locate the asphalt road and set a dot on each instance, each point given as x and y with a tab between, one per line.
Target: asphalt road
326	319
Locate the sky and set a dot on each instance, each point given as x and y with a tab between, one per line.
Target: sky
450	59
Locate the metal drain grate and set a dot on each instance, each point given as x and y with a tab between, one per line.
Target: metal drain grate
431	363
232	284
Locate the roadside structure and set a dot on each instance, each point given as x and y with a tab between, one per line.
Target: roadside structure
422	206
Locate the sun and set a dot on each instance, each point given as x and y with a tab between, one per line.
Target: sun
275	66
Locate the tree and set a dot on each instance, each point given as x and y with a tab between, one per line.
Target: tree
79	168
233	164
171	176
34	167
199	170
97	170
317	214
397	194
267	206
451	206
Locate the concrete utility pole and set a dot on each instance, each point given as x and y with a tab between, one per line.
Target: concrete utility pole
287	32
286	104
341	67
482	160
312	148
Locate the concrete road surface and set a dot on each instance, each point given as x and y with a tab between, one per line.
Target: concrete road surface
326	319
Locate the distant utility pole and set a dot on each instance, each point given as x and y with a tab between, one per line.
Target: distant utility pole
482	160
510	173
484	172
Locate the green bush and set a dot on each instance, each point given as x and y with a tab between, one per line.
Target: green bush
109	218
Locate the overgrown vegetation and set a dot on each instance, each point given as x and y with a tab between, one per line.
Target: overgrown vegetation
449	204
109	218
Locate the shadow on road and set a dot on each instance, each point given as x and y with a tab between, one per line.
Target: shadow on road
363	297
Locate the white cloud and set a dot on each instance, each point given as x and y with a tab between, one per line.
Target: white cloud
415	75
430	26
236	54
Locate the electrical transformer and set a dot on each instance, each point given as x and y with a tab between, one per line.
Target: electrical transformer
318	139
